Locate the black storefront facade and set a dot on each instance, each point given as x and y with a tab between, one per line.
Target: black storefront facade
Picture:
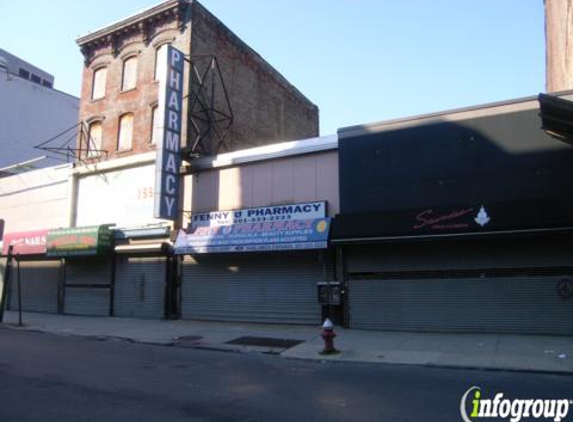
457	222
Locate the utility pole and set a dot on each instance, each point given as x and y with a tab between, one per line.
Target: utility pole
6	281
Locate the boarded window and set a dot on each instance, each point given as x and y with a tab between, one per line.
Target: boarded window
161	61
129	80
125	132
155	132
94	139
98	89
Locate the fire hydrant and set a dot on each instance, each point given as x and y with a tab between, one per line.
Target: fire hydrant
328	335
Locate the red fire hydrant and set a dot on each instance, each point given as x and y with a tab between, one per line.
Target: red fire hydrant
328	335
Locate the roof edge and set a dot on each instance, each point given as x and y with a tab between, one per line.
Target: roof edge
266	152
131	20
480	110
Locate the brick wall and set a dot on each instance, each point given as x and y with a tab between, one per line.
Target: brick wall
266	107
138	101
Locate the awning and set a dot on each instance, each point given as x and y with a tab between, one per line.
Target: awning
158	247
493	219
556	117
79	241
26	243
120	233
255	237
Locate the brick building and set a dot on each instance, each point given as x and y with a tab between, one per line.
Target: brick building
118	259
120	89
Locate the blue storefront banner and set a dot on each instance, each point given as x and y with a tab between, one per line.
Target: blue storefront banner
255	237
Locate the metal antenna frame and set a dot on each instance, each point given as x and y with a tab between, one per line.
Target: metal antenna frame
203	112
86	155
202	108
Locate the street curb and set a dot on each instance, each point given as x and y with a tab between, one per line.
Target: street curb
435	366
511	370
318	358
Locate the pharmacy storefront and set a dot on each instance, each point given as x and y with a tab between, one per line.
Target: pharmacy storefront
257	265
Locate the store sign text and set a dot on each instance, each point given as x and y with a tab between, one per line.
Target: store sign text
303	211
80	241
457	219
168	159
26	243
429	219
247	237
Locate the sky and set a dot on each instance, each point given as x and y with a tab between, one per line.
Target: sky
360	61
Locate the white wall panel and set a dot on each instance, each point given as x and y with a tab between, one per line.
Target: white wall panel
38	199
123	197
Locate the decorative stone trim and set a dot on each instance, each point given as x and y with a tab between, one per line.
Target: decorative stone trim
172	14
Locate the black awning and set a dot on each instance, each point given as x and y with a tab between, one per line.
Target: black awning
556	117
457	221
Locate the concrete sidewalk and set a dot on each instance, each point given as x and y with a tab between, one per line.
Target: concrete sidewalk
484	351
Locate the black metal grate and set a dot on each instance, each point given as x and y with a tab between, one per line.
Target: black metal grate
265	342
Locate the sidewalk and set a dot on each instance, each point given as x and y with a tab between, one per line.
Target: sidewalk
484	351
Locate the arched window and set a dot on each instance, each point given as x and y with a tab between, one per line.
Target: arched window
129	77
125	133
94	139
160	61
98	86
155	125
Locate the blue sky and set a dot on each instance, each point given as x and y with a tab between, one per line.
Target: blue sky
360	61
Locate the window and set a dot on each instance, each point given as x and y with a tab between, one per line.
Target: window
94	139
23	73
125	134
155	133
98	88
46	83
161	61
129	79
36	79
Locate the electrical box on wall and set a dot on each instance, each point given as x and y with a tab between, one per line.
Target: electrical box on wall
328	293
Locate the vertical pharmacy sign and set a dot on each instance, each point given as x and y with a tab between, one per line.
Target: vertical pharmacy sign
168	158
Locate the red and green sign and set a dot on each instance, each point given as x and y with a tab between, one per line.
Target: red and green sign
79	241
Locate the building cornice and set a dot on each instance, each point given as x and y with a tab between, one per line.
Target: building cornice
134	20
141	25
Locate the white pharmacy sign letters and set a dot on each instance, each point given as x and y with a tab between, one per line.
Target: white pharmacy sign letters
168	161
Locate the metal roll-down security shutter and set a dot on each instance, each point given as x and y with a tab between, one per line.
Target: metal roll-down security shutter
503	304
254	287
498	286
87	288
140	287
39	281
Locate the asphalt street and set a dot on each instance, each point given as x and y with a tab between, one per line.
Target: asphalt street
53	378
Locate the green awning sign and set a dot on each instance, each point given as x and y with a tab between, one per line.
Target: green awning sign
79	241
